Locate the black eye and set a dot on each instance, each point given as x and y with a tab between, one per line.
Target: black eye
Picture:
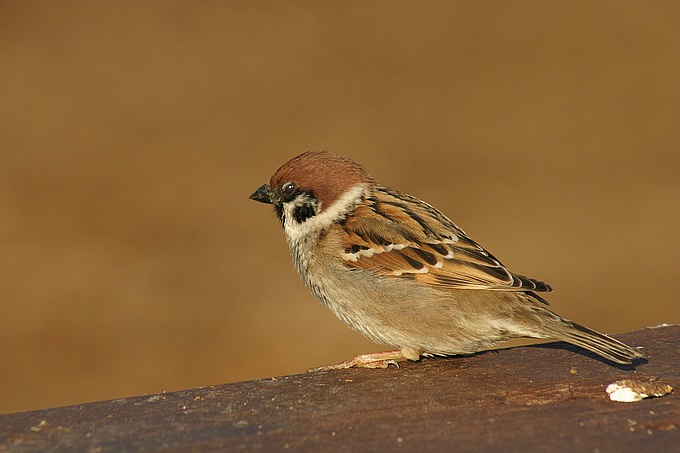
288	189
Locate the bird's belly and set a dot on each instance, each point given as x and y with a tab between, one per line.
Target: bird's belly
398	313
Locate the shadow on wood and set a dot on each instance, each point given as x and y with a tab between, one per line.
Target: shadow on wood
533	398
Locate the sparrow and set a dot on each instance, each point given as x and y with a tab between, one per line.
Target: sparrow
397	270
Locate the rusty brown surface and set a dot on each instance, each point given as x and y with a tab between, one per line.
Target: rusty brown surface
132	261
536	398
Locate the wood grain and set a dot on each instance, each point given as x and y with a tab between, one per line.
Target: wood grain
536	398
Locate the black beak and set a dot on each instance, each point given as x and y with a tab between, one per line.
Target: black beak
262	195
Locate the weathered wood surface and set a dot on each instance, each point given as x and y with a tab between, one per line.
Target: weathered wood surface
536	398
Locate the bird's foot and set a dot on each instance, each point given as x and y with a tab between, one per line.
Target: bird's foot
372	360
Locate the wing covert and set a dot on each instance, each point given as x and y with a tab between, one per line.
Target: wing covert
402	236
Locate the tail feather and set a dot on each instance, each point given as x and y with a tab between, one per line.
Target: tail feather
597	342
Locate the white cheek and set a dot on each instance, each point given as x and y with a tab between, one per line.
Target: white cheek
323	220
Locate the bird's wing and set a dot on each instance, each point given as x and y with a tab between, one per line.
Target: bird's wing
401	236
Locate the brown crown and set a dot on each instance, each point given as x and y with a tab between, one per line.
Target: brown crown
325	174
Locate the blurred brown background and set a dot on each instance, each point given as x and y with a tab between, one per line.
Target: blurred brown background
132	134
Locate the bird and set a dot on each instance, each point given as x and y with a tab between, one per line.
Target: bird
397	270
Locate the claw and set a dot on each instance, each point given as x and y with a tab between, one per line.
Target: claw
373	360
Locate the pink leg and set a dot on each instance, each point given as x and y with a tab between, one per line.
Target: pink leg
372	360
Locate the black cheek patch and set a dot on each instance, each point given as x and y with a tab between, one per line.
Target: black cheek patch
303	212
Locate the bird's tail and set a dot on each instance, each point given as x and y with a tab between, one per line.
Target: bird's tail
596	342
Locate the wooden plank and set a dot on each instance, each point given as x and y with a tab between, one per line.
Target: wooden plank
535	398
